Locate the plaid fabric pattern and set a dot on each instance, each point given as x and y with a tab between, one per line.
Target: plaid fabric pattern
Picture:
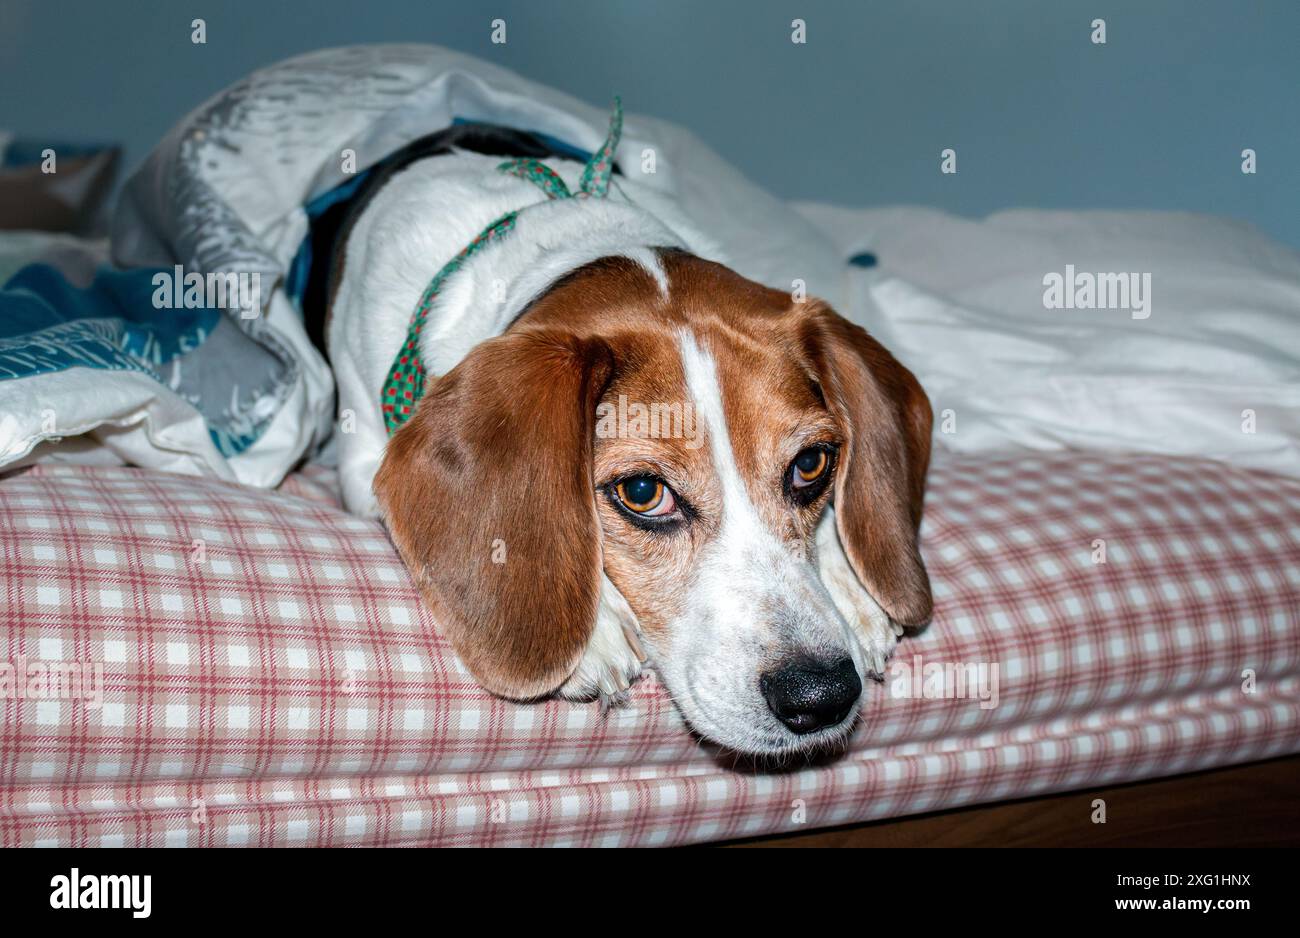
270	676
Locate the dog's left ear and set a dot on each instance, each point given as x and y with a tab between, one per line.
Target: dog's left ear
880	482
487	492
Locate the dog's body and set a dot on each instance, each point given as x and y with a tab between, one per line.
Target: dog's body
555	555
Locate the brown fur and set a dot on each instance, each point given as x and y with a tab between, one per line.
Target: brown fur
498	456
503	448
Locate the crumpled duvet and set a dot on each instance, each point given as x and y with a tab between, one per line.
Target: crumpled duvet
244	395
1202	360
1208	364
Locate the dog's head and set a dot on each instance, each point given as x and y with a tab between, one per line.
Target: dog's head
683	429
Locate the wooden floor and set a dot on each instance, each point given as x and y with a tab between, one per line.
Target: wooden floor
1252	805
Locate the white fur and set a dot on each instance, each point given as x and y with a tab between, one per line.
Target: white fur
875	631
750	602
609	665
549	239
422	218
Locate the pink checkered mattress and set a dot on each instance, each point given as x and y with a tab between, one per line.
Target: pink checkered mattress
269	675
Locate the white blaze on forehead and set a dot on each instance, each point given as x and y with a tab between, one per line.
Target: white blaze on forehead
651	263
750	599
740	520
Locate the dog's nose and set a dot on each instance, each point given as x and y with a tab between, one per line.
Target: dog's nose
808	697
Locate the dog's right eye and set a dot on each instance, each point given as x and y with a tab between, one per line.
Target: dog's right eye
808	474
646	496
809	465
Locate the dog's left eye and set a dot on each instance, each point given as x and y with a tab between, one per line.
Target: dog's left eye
809	467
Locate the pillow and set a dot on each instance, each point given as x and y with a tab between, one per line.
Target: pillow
996	319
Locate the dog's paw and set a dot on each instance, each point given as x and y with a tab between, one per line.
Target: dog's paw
877	635
613	659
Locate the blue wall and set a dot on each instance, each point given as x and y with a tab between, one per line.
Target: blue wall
1039	116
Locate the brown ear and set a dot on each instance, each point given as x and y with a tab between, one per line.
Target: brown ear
487	492
881	480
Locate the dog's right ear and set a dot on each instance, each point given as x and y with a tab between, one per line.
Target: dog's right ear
880	483
487	492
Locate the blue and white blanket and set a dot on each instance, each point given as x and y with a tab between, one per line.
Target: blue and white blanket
125	362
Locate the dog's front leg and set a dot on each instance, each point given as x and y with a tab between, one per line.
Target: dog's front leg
875	632
613	658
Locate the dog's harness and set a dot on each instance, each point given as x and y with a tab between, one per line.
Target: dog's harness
404	386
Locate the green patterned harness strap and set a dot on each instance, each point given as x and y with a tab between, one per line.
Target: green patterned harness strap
404	385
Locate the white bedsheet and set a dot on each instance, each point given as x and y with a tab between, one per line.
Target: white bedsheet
1213	370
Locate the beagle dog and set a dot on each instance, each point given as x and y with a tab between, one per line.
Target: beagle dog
760	553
